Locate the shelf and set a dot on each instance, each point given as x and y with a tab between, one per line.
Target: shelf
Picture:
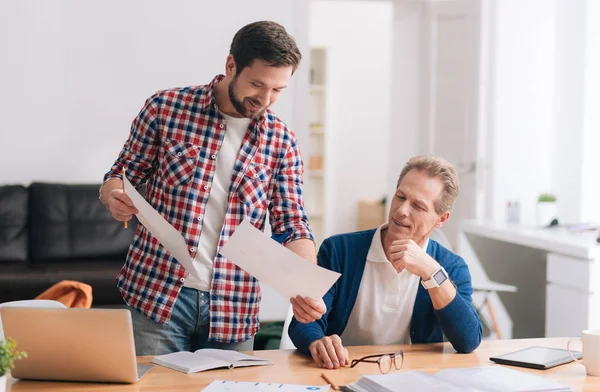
314	215
317	88
317	173
317	131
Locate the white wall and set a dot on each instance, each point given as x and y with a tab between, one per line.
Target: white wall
407	98
358	36
569	107
543	102
522	105
590	205
74	74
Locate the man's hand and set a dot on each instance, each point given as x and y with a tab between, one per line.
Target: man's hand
329	353
407	255
307	310
117	202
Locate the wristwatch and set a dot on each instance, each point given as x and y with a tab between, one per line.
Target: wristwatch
436	279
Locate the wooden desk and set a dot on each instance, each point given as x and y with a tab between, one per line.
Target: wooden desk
291	367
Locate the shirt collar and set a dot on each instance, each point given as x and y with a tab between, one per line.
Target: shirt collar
377	253
208	101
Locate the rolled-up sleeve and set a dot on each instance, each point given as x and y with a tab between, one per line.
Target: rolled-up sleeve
287	215
139	153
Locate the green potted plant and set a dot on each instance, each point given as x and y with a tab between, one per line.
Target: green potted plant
8	356
547	209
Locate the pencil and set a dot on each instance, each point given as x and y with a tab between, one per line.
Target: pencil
328	380
123	182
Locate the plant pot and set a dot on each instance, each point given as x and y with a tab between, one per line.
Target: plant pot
546	211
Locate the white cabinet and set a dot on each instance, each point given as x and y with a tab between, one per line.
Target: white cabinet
571	295
566	311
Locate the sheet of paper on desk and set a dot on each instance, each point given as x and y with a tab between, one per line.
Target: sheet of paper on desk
238	386
166	234
275	265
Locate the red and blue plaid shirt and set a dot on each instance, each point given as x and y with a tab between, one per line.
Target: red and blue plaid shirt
172	148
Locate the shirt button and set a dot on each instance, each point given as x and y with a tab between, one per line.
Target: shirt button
192	249
221	126
213	156
179	154
199	218
205	187
181	280
256	176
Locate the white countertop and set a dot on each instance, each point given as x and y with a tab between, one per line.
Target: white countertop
557	240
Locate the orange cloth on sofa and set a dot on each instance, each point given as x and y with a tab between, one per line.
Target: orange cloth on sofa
70	293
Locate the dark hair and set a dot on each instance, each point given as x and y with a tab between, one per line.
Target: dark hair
265	40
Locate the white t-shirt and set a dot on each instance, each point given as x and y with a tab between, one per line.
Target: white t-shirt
216	206
384	304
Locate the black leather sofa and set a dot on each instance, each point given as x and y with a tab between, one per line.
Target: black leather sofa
53	232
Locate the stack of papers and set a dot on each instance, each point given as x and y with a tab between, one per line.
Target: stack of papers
483	379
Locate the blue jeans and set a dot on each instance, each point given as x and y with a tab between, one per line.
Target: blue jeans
186	331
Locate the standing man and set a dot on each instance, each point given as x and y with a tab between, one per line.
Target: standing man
212	156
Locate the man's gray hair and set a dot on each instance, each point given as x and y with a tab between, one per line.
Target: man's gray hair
439	168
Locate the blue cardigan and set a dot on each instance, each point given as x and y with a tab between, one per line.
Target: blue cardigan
347	254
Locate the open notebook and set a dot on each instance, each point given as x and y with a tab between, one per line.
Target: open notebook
482	379
206	359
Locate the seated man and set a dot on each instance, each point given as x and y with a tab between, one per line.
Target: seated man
397	285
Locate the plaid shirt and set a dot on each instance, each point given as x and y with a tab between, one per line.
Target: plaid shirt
172	148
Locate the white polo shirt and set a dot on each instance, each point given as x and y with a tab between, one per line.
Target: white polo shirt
384	304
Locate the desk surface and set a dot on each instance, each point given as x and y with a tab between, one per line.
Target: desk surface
556	240
291	367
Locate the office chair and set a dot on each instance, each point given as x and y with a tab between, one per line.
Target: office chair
286	342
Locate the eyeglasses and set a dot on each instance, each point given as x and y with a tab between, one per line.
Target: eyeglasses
383	360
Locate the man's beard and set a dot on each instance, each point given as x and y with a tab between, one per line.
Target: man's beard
239	105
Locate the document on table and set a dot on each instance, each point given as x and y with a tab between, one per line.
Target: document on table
238	386
275	265
480	379
166	234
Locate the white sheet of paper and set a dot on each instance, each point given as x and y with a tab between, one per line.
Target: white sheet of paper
239	386
271	263
166	234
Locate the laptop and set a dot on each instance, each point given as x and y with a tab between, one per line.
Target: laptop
92	345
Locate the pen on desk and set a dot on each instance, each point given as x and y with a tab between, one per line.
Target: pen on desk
123	182
335	387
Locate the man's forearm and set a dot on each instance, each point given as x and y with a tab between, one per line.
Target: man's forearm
304	248
443	295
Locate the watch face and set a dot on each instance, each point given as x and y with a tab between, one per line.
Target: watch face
440	277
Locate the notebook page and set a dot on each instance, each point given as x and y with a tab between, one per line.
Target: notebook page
187	362
232	357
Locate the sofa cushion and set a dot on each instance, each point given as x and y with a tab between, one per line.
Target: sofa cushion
69	222
13	223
